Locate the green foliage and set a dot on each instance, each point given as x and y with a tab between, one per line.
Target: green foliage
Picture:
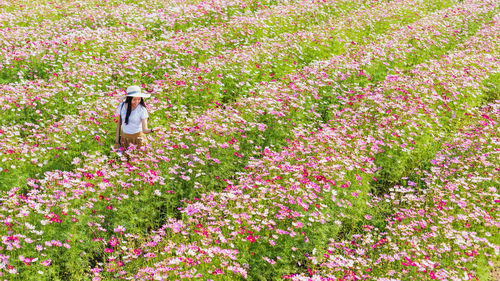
396	164
491	88
24	70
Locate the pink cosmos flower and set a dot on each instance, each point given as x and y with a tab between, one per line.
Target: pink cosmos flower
251	238
120	229
113	242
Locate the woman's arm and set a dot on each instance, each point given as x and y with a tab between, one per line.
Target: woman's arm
144	122
145	126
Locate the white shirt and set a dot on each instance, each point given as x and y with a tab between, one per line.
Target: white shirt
134	125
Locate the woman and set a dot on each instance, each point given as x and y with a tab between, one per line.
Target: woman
133	119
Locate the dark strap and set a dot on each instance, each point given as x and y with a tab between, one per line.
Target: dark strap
123	103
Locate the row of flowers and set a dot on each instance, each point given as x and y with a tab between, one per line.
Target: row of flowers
268	177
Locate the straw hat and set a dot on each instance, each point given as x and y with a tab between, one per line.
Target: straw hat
135	91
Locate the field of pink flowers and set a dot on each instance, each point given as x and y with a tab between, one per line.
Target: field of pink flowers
301	140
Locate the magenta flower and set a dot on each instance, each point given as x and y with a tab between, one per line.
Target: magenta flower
113	242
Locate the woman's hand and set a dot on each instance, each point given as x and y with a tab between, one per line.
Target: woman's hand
145	128
117	144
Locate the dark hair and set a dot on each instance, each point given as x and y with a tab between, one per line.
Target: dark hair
128	101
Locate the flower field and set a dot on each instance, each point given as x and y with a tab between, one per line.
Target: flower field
301	140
